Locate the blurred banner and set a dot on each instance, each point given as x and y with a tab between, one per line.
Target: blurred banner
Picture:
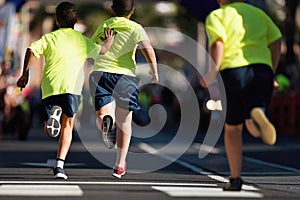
7	13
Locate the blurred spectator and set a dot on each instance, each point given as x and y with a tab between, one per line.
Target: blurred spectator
14	108
2	92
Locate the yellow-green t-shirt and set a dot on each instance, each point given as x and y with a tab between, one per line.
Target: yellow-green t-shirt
120	58
65	51
246	32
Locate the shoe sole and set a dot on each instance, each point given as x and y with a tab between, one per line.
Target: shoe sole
107	131
61	176
118	175
267	130
232	189
237	186
53	123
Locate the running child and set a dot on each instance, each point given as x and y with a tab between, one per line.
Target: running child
245	47
113	78
65	51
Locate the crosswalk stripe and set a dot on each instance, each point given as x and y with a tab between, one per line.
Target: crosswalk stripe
72	188
205	192
40	190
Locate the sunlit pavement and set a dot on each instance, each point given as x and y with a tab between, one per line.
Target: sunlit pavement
24	171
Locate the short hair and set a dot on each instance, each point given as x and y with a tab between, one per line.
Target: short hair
122	7
66	15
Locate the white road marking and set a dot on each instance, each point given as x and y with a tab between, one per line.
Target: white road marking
205	192
196	169
40	190
246	148
195	148
253	148
108	183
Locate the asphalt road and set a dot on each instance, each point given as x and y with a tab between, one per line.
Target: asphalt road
269	172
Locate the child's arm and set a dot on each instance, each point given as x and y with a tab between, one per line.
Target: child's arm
216	54
23	80
109	36
149	54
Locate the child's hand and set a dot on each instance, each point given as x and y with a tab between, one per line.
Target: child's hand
22	81
155	77
109	38
109	33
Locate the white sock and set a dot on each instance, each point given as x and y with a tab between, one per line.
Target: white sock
60	163
121	158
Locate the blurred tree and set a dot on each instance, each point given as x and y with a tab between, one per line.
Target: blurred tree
92	15
180	19
290	30
199	9
39	16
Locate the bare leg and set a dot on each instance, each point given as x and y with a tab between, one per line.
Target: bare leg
65	138
124	130
251	127
233	144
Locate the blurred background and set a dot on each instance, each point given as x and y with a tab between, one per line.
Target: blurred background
22	22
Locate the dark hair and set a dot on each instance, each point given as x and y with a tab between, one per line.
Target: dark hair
122	7
66	14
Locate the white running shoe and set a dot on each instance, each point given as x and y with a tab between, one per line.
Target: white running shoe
59	173
53	123
108	134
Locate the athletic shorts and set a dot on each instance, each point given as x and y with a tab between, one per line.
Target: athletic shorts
247	87
68	102
106	87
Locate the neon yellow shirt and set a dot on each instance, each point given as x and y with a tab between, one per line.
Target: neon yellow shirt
246	32
65	51
120	58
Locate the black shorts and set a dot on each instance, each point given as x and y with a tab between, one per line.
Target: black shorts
106	87
68	102
247	87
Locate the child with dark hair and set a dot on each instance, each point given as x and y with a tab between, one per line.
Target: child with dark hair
113	78
65	51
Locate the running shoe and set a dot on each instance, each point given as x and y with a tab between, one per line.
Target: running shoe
234	184
53	123
265	127
59	173
108	134
119	171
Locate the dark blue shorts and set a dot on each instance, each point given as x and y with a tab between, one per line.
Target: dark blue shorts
247	87
68	102
106	87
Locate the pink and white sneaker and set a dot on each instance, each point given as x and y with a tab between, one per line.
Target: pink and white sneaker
119	171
